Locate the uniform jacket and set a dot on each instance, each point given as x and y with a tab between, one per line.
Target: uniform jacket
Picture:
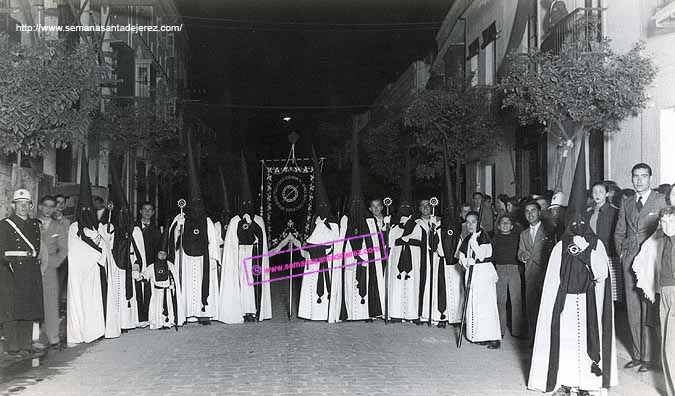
20	277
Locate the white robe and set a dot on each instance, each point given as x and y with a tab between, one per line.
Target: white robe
378	239
356	306
404	293
328	309
155	312
432	260
85	307
220	241
574	369
482	314
237	297
454	290
120	312
137	234
191	277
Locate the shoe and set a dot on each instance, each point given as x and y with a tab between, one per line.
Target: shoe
441	325
645	367
19	354
562	391
369	320
494	345
632	363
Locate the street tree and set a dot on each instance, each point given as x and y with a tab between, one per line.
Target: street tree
457	116
48	94
584	87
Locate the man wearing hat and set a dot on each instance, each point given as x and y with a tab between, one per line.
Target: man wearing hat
20	279
557	211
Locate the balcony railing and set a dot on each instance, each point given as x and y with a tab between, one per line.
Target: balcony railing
582	26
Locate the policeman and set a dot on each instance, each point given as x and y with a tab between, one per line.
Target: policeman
21	299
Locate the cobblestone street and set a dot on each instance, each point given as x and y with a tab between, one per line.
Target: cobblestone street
279	357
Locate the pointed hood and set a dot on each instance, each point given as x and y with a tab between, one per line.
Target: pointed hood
85	215
578	194
122	220
405	205
226	212
164	242
118	196
195	201
246	199
356	208
450	204
322	203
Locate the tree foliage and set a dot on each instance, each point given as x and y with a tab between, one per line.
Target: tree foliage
586	86
139	126
456	115
48	93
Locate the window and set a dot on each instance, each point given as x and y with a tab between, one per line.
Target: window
143	79
170	45
490	54
474	52
490	64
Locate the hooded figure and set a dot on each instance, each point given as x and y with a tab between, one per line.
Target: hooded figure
245	289
164	310
363	286
447	291
574	344
193	245
89	255
129	253
225	216
404	259
320	294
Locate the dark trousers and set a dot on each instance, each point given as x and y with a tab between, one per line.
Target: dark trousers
534	283
642	318
509	287
18	335
668	336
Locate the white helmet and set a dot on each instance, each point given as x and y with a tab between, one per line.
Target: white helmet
22	195
559	199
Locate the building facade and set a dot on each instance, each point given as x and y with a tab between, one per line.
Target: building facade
473	41
148	68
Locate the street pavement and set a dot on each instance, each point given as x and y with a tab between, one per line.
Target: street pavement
279	357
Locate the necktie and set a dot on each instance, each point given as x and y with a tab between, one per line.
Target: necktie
639	204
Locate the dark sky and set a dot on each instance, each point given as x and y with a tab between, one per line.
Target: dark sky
303	52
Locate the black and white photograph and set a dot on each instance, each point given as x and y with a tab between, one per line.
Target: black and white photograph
337	197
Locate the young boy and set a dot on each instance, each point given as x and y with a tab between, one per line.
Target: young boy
505	245
482	315
164	311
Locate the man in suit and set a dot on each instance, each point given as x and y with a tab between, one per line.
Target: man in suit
638	219
484	210
54	236
534	248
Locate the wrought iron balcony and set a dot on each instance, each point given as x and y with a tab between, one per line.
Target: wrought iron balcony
582	26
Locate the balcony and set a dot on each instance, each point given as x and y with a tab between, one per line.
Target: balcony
582	26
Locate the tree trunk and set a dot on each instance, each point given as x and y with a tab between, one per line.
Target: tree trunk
566	148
